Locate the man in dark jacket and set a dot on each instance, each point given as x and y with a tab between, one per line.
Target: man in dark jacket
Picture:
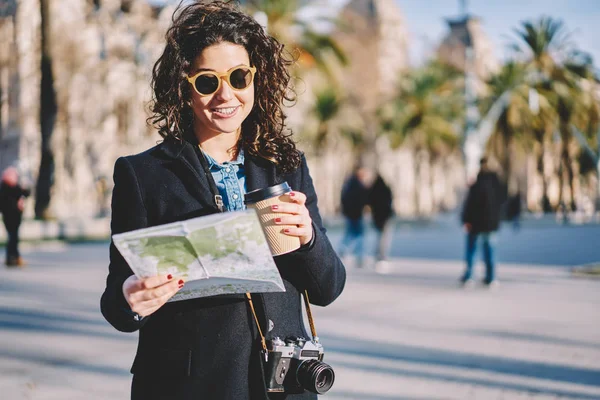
481	219
12	201
380	201
355	195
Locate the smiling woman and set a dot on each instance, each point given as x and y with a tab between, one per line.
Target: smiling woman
219	87
219	112
198	48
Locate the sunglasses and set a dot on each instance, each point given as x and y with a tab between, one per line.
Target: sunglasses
206	83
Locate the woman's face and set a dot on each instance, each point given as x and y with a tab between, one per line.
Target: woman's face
223	111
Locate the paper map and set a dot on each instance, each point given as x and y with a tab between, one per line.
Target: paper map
216	254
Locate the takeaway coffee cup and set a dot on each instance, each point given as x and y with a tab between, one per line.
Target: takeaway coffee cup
262	200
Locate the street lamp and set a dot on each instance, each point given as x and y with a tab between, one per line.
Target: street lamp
472	146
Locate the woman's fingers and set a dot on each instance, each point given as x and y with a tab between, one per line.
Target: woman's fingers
147	295
297	197
157	292
295	216
155	281
133	284
300	220
159	297
302	232
289	208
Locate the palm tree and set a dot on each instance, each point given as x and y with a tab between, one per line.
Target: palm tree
313	48
550	60
327	105
586	122
425	114
515	114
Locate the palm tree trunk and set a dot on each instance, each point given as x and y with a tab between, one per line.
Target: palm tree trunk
546	207
320	139
507	164
571	179
566	163
598	171
561	183
417	187
48	113
432	162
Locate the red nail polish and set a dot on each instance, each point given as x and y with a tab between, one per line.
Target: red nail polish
169	277
180	282
286	230
292	194
275	207
180	286
277	220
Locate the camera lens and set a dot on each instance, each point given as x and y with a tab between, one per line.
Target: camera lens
315	376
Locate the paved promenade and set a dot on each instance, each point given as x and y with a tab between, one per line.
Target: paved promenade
409	334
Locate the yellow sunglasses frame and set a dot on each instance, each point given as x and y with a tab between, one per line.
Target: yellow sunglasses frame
224	76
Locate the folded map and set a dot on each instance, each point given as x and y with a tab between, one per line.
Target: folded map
216	254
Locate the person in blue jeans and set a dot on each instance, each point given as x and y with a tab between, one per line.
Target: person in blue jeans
481	220
355	196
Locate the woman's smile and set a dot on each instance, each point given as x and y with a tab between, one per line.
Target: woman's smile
225	112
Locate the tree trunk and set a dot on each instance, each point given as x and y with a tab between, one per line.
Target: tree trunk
546	206
48	112
320	140
561	184
434	204
566	162
417	187
598	183
507	165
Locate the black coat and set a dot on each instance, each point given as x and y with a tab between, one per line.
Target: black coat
483	205
380	200
9	200
207	348
354	198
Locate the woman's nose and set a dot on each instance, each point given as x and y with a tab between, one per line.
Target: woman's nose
225	92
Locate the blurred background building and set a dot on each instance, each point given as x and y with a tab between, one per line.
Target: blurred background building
74	90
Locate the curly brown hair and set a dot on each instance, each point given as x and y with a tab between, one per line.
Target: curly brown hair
199	25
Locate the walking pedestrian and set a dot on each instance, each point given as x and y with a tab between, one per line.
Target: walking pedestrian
513	211
380	202
355	196
12	203
481	220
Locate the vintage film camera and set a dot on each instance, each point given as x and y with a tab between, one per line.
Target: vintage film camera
296	365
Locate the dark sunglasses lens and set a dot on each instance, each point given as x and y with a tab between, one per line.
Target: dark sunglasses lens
240	78
207	84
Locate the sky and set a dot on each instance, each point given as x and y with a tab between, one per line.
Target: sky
426	25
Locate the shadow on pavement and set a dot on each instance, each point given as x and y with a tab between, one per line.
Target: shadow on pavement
43	321
529	337
56	362
419	355
470	381
367	396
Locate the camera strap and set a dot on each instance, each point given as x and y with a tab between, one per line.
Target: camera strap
311	322
262	337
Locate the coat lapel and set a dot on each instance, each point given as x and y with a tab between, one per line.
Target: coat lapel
184	160
260	173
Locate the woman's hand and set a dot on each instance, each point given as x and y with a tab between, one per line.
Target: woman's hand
145	296
298	215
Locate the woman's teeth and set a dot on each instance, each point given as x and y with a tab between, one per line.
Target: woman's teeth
226	111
